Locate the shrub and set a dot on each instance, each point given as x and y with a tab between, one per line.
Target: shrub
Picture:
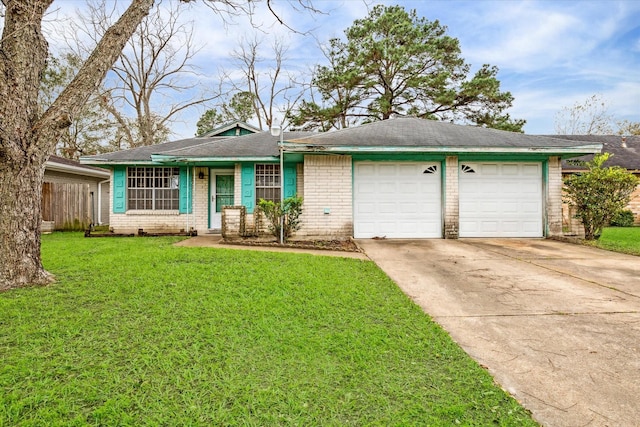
623	218
598	194
287	213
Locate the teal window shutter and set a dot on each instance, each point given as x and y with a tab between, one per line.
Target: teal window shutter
119	189
248	186
290	180
186	190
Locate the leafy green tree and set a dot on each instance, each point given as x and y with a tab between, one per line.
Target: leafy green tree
396	63
240	107
599	193
207	121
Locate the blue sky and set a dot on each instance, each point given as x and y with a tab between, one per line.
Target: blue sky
551	54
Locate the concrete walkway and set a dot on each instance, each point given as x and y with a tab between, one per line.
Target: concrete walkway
556	324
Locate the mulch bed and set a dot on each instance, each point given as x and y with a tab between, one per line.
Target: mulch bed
330	245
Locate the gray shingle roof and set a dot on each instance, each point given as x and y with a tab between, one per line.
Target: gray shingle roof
143	154
399	133
254	145
626	153
415	132
261	144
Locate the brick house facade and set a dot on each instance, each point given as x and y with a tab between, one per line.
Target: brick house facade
403	177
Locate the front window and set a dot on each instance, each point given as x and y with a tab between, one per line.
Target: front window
268	182
153	188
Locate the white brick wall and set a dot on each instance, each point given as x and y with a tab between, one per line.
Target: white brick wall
327	186
166	221
300	180
554	197
200	209
451	199
325	183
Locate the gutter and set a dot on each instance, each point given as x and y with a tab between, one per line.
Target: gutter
581	149
76	170
161	158
104	163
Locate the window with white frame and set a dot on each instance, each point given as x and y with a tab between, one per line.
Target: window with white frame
153	188
268	182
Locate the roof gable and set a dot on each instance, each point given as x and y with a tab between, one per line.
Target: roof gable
237	128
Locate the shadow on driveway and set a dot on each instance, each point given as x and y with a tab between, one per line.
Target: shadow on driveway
556	324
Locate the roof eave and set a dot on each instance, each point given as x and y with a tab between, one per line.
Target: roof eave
185	159
581	150
76	170
104	163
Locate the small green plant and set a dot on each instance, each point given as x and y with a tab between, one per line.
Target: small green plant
623	218
286	213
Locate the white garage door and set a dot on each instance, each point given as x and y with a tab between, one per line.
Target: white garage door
500	199
397	200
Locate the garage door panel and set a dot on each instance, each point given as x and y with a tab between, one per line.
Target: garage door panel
500	199
387	170
510	169
531	208
365	208
401	200
409	188
510	208
489	169
387	208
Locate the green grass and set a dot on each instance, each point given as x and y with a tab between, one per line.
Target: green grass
620	239
139	332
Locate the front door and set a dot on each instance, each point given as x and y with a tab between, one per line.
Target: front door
221	195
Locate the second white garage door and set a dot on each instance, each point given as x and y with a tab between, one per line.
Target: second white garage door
397	200
500	199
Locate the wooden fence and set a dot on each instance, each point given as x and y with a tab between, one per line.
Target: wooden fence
68	206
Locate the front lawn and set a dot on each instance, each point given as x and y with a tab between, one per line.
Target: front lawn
139	332
620	239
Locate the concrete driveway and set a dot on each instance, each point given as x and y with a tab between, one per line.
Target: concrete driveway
556	324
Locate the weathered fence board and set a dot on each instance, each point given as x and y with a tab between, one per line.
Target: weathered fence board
67	205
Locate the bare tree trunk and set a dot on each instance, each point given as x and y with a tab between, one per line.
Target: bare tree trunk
20	218
28	139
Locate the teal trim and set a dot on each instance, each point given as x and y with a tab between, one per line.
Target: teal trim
209	175
290	180
162	159
443	196
247	184
471	150
398	157
186	190
119	189
535	157
545	191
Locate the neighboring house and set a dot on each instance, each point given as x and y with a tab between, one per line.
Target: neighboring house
626	154
398	178
74	195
